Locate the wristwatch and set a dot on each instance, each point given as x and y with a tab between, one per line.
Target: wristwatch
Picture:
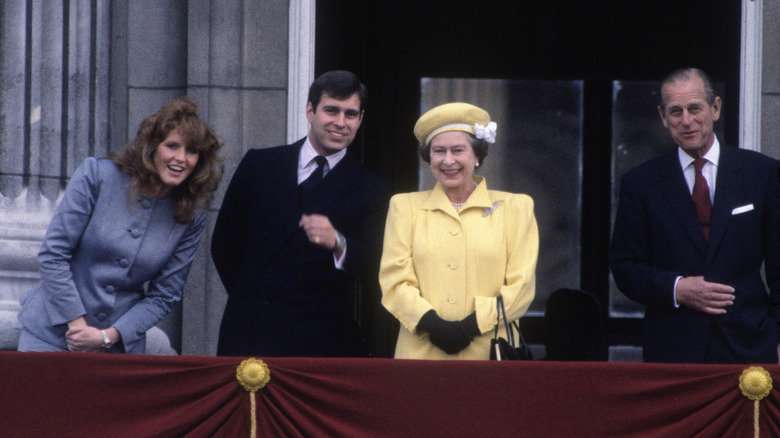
106	341
341	243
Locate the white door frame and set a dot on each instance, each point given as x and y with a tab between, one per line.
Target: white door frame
750	75
300	65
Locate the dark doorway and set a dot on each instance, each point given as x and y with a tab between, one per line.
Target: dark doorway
391	45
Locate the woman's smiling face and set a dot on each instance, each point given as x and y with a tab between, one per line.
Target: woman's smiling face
453	160
174	161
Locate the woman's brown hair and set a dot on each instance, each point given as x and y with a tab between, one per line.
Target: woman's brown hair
137	157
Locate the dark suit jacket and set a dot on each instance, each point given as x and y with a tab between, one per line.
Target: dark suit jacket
657	237
285	296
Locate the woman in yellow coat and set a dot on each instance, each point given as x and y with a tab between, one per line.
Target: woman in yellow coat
450	252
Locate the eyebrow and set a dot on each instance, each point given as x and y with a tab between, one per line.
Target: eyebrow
690	105
338	108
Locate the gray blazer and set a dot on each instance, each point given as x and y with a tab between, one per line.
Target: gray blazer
99	252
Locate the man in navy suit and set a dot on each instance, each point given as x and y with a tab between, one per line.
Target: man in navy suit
692	230
298	224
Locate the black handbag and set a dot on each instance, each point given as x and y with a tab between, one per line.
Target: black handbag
503	349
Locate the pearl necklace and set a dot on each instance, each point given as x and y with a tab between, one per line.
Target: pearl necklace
457	206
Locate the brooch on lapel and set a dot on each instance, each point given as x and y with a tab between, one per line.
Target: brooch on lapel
489	210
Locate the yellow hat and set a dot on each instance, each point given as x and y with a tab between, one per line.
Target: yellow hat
457	116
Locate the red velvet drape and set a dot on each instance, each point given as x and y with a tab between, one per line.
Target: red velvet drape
93	395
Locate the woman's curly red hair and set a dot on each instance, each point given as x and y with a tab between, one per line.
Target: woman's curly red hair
137	157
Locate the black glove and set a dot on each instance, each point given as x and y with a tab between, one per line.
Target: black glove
469	324
450	336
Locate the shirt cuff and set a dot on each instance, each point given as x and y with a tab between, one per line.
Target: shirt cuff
339	261
674	292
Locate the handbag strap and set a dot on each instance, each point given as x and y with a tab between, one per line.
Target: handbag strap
501	313
520	338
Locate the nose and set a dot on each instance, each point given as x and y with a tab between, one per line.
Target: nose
180	154
448	157
686	118
340	118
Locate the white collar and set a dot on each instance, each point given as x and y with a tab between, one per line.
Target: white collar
713	155
308	153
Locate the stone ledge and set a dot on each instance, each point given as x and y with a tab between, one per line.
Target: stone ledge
157	342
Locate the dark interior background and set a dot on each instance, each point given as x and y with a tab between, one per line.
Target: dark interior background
392	44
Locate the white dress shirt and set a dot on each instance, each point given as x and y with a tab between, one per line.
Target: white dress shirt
710	173
307	165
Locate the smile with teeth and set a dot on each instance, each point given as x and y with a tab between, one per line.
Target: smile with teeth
337	134
175	168
450	172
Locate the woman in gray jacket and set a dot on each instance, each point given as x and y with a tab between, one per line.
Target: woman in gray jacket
118	250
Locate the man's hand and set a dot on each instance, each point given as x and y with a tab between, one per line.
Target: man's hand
319	230
703	296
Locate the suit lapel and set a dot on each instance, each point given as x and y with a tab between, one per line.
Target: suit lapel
676	192
339	182
727	189
282	197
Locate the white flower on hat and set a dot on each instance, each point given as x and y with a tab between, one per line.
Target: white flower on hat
487	133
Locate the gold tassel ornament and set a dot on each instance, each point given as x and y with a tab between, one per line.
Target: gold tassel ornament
253	375
755	383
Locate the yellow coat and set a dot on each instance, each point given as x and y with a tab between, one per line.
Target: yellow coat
435	257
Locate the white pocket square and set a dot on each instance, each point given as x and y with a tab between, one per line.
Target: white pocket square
743	209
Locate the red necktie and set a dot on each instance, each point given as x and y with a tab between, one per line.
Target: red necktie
701	197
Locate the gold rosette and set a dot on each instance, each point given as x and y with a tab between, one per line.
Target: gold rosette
756	384
253	375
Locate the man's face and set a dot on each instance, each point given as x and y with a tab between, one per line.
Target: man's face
334	123
688	116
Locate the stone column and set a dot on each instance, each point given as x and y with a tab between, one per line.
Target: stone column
237	70
53	114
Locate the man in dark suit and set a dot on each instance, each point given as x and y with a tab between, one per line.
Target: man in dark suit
692	230
297	225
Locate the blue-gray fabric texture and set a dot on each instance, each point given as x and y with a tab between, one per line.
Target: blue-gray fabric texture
116	260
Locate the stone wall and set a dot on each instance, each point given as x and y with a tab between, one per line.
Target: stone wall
770	80
53	114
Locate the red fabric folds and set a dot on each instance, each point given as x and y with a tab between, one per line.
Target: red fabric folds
92	395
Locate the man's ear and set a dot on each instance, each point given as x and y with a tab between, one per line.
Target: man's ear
309	111
717	104
663	117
